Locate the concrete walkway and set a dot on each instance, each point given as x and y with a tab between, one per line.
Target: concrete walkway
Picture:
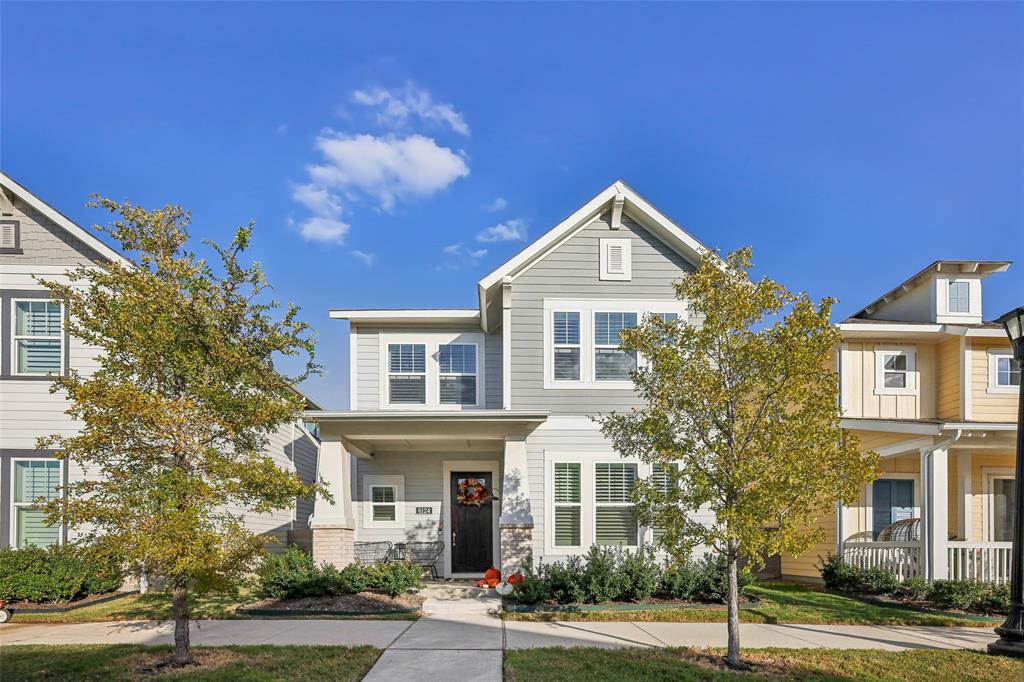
437	647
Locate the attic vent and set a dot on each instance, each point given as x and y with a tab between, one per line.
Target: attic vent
9	236
616	256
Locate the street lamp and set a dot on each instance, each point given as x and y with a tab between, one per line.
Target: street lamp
1011	632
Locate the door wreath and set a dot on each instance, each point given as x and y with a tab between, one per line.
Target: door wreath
472	492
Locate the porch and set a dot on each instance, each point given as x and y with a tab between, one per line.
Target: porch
951	498
454	477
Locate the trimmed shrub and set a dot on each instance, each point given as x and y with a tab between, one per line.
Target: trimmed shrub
915	588
713	579
996	599
958	594
565	581
58	573
839	575
639	575
290	574
601	577
878	581
679	580
533	589
352	579
394	578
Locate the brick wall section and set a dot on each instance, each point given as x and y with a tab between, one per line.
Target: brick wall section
334	545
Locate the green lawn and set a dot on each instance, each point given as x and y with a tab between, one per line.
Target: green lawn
152	606
652	665
130	662
780	603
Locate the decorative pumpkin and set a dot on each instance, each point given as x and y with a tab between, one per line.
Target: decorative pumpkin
516	579
492	577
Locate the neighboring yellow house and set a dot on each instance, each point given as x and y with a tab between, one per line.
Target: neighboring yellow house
932	388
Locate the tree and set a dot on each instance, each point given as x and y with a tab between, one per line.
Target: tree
742	415
177	416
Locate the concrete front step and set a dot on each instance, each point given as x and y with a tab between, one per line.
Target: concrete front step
479	606
445	592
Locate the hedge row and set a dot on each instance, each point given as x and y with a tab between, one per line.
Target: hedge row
58	573
293	574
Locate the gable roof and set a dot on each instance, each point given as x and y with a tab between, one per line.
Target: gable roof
618	197
984	268
61	220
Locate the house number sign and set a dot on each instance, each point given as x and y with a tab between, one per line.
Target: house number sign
424	510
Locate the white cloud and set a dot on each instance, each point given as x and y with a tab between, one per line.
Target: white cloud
452	249
460	255
506	231
496	205
324	229
368	258
317	199
395	107
388	168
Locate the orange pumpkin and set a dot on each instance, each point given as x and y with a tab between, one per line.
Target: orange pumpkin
492	577
516	579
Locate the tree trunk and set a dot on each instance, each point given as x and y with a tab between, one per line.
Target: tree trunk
732	657
181	641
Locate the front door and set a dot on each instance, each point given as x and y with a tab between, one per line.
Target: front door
471	529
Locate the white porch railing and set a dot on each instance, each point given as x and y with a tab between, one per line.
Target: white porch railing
988	561
903	559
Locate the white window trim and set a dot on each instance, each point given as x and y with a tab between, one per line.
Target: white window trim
578	346
640	473
586	308
16	337
626	274
432	342
377	481
911	373
994	354
61	538
870	497
970	307
988	500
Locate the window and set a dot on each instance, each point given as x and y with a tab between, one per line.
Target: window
1003	506
616	259
34	480
959	299
1003	372
610	362
383	499
615	523
892	501
662	477
38	340
566	337
407	374
894	371
667	317
567	504
457	366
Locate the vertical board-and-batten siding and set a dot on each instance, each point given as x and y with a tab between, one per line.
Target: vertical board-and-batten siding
368	361
571	270
860	373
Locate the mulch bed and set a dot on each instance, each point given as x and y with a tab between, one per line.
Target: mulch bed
61	607
919	606
652	604
364	603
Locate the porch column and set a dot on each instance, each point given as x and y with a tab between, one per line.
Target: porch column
332	522
516	522
935	512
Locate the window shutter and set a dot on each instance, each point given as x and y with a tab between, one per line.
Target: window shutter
616	526
613	482
567	482
567	527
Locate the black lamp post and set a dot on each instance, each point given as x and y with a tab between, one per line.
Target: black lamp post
1011	632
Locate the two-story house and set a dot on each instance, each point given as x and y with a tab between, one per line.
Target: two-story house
473	426
37	241
932	388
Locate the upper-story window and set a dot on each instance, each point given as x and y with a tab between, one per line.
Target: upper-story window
1003	372
959	297
38	337
565	334
610	362
407	373
457	373
895	371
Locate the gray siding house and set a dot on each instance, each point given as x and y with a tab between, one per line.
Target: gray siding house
38	241
473	427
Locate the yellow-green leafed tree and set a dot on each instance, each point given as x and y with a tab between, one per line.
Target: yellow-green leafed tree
742	413
177	417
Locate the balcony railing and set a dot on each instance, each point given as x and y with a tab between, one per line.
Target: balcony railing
988	561
903	559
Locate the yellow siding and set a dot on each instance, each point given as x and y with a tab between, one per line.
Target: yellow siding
985	406
861	400
980	461
948	380
806	564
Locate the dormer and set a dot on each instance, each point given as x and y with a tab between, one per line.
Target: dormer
945	292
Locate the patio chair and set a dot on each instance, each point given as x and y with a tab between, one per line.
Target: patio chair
424	554
372	552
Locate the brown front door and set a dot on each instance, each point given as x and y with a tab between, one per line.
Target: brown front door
471	533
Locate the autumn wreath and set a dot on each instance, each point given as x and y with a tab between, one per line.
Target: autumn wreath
472	492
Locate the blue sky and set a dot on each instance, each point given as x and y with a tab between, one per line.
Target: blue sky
375	145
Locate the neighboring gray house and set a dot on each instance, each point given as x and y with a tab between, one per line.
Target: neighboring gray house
473	426
38	241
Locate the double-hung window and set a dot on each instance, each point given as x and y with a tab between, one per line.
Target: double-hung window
457	371
38	337
610	362
959	299
566	342
568	507
407	374
1003	372
614	521
663	477
384	499
35	480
